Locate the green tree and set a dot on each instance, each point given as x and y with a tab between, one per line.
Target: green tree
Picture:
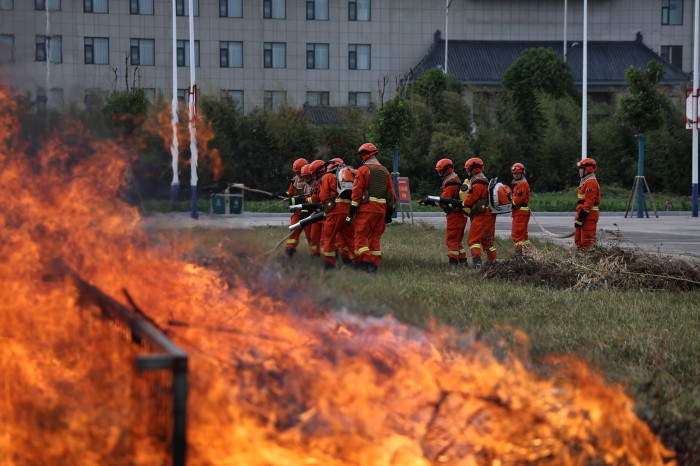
537	70
432	87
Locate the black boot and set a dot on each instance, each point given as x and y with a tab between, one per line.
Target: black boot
453	261
289	252
328	267
347	261
476	261
371	268
463	261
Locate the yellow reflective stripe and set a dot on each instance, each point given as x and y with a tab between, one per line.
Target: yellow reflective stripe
329	254
595	208
524	208
462	251
376	253
477	245
581	196
492	248
455	252
361	250
343	200
292	241
376	199
355	203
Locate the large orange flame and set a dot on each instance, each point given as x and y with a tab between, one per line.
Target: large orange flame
271	382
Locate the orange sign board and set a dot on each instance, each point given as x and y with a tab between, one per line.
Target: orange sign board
404	190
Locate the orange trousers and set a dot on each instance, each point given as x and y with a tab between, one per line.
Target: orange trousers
518	232
293	240
335	233
315	238
584	237
369	228
481	235
454	235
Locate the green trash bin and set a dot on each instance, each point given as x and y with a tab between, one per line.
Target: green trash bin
218	204
236	203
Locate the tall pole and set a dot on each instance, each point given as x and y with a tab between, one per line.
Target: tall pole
696	39
566	21
640	176
174	147
447	23
584	105
192	115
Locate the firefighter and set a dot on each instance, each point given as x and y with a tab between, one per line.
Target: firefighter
483	226
587	207
456	220
521	208
296	188
317	169
335	197
373	202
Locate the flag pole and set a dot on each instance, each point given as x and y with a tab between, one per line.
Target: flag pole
584	103
192	115
174	146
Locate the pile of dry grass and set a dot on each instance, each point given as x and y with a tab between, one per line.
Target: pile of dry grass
603	267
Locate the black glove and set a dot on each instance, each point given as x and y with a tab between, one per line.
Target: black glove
351	214
582	214
388	216
280	194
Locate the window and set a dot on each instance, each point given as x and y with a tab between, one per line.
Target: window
182	7
54	5
150	93
7	48
275	55
231	54
182	95
141	7
317	9
673	54
96	51
359	99
274	9
318	98
274	100
359	10
672	12
54	100
143	52
96	6
317	56
358	57
230	8
237	97
7	4
183	53
48	46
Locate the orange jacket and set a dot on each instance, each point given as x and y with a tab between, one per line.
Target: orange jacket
296	187
450	189
588	194
521	193
375	205
479	189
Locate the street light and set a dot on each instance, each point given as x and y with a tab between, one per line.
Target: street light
447	23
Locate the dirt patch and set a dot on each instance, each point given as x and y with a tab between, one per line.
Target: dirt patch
603	267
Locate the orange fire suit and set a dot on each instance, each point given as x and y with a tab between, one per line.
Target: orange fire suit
456	221
369	219
520	214
483	227
316	228
336	234
587	212
297	188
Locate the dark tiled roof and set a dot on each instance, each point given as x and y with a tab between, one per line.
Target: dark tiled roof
485	62
327	116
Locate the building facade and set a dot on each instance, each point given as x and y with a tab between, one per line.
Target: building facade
268	52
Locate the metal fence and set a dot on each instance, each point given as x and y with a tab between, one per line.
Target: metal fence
157	371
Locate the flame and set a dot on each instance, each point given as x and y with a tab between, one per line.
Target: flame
272	382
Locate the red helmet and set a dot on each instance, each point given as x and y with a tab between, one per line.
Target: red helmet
316	167
333	164
517	168
444	167
298	163
587	164
305	170
367	150
475	165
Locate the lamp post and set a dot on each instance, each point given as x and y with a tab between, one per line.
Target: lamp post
193	115
566	20
584	98
447	23
696	53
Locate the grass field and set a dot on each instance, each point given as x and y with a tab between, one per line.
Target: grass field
613	199
647	340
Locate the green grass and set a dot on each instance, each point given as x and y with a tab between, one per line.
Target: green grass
613	199
646	340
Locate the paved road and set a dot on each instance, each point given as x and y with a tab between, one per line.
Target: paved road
671	233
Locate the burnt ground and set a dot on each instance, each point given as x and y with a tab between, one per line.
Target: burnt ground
603	267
